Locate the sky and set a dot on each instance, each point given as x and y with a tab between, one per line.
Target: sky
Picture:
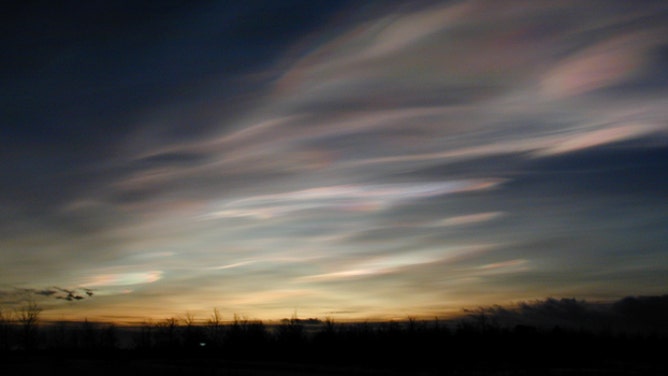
349	160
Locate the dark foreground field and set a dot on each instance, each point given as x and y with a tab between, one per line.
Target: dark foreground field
298	347
78	365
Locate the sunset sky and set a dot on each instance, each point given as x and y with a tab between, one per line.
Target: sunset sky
342	159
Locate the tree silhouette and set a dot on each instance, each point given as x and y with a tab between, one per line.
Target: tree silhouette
143	339
5	329
215	329
28	317
167	333
192	334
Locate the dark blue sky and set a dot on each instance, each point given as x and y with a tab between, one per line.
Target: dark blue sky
338	159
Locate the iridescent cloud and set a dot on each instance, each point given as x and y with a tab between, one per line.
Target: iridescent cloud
349	197
443	153
122	279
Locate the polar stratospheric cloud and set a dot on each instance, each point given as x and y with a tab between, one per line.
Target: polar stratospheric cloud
343	159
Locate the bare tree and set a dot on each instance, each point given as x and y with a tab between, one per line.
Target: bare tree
188	319
28	317
167	336
215	327
89	335
109	339
144	338
192	334
5	329
216	318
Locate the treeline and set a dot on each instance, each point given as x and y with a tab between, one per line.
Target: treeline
476	341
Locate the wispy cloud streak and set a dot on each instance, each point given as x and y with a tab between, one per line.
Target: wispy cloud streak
349	197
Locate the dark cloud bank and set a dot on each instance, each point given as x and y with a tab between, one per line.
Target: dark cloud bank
646	314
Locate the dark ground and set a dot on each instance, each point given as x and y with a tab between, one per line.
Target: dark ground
297	347
75	366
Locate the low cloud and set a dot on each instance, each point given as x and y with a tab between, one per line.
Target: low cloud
632	313
19	296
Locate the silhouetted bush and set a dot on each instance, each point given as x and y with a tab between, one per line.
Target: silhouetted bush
246	339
